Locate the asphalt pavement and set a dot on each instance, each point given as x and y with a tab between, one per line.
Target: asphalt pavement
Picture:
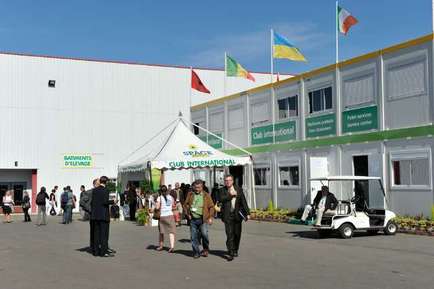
271	256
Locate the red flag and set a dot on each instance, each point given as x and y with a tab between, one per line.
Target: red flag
197	84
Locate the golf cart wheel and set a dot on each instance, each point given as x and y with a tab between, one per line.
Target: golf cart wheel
391	228
346	230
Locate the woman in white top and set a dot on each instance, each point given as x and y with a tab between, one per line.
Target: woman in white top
8	204
166	204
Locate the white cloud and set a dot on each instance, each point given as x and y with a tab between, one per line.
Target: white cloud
252	45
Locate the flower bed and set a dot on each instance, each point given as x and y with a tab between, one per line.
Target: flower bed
275	215
415	225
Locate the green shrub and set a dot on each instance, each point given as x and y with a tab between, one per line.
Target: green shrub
142	217
270	207
432	213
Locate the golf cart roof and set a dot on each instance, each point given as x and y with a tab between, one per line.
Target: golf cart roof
345	178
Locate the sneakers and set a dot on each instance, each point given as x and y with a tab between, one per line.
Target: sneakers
196	256
204	253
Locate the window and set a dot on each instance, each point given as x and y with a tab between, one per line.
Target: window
320	100
260	113
288	107
196	129
200	175
289	176
359	90
262	176
236	118
406	80
411	170
216	121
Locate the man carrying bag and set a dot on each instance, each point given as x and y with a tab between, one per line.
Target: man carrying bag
234	210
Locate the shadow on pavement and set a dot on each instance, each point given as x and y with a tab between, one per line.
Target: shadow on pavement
184	241
84	250
305	234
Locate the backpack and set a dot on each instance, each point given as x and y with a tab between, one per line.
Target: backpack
40	199
64	199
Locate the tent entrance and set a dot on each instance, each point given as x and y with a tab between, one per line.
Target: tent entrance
238	173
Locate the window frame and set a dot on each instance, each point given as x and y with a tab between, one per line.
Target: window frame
410	155
264	166
289	163
372	72
321	88
407	60
287	97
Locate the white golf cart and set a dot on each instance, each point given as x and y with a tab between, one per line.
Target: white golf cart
361	206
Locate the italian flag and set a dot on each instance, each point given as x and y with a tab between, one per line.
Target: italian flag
345	20
233	68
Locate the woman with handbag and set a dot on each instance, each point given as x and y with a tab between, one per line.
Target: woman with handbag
164	212
8	205
26	207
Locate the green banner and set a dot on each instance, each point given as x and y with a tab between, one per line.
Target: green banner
323	125
77	161
213	141
284	131
360	119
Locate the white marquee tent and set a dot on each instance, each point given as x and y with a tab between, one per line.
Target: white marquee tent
184	150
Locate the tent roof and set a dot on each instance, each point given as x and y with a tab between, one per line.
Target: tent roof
184	150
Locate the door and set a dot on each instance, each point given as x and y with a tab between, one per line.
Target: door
237	172
318	169
361	188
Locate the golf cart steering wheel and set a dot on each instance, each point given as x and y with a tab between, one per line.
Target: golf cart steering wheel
355	199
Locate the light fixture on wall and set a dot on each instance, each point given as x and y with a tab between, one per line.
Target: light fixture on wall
16	163
51	83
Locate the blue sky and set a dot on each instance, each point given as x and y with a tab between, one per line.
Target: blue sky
199	32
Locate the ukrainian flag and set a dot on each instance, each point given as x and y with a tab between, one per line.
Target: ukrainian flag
283	49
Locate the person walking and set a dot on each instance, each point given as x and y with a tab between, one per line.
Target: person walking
199	209
52	204
68	200
85	205
234	210
100	216
83	213
8	206
166	225
41	199
132	202
26	207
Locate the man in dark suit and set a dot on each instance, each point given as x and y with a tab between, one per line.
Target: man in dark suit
324	201
100	217
234	210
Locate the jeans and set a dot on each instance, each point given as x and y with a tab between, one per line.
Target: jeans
67	214
42	213
199	229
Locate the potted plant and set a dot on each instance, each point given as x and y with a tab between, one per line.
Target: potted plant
142	217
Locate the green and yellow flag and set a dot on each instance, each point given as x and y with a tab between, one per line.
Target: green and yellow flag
233	68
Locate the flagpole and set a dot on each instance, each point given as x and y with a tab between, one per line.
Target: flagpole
271	54
337	32
224	76
273	98
189	98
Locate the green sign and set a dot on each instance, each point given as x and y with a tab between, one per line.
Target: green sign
360	119
77	161
213	141
323	125
264	134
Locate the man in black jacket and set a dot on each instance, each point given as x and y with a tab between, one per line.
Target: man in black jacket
234	210
100	217
323	202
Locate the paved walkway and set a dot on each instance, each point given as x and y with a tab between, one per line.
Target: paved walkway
271	256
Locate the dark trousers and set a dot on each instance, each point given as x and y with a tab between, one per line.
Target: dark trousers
101	236
133	206
26	215
91	230
233	234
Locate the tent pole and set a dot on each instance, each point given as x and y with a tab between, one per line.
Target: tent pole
222	139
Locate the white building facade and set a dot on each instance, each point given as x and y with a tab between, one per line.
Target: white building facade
66	121
370	116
